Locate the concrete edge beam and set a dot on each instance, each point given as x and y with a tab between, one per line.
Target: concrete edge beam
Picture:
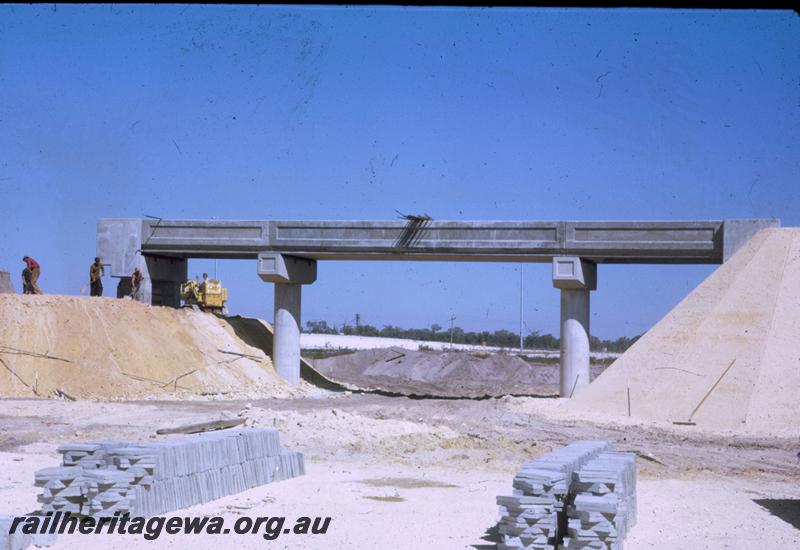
683	241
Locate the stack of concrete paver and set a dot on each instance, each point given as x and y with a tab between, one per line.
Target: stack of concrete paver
534	517
87	455
107	491
62	489
104	477
604	506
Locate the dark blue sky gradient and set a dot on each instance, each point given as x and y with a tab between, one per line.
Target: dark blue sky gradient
350	113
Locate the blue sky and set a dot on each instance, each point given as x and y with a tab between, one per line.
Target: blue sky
350	113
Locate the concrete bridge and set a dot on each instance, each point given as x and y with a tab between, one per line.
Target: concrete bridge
287	252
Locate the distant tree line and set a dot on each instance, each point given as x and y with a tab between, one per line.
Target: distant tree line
436	333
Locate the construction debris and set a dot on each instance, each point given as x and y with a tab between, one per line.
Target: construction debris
689	421
202	427
17	351
61	394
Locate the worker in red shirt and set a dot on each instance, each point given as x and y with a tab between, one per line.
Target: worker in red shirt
35	270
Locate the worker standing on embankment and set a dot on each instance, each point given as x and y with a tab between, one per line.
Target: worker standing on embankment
26	281
96	273
35	270
136	284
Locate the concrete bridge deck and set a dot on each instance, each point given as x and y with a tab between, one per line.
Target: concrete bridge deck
674	242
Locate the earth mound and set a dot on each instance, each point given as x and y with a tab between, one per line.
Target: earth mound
105	348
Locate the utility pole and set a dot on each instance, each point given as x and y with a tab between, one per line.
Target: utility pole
451	330
521	340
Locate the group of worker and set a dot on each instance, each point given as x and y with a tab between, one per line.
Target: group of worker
96	272
30	278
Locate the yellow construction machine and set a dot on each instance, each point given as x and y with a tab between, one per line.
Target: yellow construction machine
208	295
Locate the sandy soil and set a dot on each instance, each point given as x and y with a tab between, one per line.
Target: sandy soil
117	349
727	356
424	473
443	374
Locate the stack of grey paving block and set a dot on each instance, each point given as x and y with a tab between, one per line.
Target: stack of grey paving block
535	516
88	455
62	489
20	540
604	506
104	477
107	491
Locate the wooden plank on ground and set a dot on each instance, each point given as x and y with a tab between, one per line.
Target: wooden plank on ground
202	427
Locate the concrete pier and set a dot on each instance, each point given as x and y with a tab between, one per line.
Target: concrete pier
288	273
574	373
286	344
575	277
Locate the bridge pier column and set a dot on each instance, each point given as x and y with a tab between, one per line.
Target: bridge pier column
575	278
286	343
288	273
574	362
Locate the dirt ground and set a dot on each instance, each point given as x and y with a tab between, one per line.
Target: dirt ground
444	374
396	472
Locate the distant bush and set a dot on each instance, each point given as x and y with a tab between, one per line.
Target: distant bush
319	327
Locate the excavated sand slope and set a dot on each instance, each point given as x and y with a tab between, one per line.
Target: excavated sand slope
441	374
123	349
746	313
